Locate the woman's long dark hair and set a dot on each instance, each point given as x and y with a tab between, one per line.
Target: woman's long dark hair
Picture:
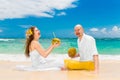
28	41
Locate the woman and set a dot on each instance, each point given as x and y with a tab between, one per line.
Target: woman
34	50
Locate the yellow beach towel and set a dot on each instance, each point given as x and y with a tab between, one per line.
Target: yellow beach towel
79	65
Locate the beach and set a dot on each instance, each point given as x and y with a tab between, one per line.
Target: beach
36	36
109	70
12	54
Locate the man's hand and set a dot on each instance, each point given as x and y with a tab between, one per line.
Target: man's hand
96	61
77	55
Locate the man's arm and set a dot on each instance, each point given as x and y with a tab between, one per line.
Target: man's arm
96	61
77	55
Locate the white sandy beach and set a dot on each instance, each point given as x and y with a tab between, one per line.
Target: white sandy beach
109	70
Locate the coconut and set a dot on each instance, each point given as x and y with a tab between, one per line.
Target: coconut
56	40
72	52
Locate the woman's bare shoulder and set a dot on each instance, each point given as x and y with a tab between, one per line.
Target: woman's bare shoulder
34	42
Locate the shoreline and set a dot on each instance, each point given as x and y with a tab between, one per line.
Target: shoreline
109	70
22	58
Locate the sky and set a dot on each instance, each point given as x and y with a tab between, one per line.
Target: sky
99	18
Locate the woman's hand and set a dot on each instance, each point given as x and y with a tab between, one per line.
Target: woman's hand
56	45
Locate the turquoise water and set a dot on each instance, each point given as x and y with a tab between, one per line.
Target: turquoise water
108	46
16	46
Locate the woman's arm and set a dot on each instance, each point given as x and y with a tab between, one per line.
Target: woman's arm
42	51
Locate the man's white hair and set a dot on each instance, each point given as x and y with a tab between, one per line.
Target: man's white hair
78	25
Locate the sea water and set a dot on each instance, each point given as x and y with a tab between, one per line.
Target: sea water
107	47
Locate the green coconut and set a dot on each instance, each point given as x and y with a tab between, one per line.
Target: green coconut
56	40
72	52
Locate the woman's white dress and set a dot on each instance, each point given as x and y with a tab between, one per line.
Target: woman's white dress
40	63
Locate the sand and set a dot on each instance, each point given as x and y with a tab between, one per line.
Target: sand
109	70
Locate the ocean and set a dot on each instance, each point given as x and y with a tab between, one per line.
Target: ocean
108	48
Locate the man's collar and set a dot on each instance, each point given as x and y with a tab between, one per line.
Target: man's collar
82	37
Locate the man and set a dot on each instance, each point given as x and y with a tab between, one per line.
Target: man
86	46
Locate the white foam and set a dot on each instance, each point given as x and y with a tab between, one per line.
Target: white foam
13	57
6	39
109	57
22	58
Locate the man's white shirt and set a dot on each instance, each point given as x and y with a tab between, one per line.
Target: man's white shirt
87	48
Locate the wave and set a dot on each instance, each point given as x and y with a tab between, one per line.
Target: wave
107	39
109	57
13	57
7	39
22	58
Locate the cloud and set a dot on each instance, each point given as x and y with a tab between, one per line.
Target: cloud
61	14
103	30
10	9
94	29
1	30
114	32
115	29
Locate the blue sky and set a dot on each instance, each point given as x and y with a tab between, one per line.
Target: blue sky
100	18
